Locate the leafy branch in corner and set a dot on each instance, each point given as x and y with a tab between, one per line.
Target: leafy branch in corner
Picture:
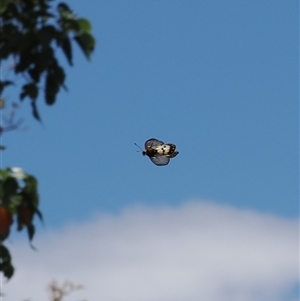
30	32
19	204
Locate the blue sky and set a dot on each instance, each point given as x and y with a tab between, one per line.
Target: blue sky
219	79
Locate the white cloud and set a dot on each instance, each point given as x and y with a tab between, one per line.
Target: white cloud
198	251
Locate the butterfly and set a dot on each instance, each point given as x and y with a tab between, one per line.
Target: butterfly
159	152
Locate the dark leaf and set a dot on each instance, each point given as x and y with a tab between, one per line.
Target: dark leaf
8	270
11	11
59	75
86	43
31	183
35	111
30	191
7	30
5	262
67	48
39	214
44	59
5	51
35	73
26	58
30	90
51	89
31	231
63	7
3	6
55	78
28	42
28	46
9	188
25	213
10	40
46	34
4	254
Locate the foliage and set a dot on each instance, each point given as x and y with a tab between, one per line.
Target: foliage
19	201
31	31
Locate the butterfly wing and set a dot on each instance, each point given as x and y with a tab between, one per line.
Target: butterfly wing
173	155
160	160
152	143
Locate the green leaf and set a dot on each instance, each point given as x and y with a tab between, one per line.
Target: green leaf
10	187
30	191
65	12
69	25
3	5
4	173
84	25
31	184
86	43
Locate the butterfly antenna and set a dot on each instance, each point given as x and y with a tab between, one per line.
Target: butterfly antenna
138	147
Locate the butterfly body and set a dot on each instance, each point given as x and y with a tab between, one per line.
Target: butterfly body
159	152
